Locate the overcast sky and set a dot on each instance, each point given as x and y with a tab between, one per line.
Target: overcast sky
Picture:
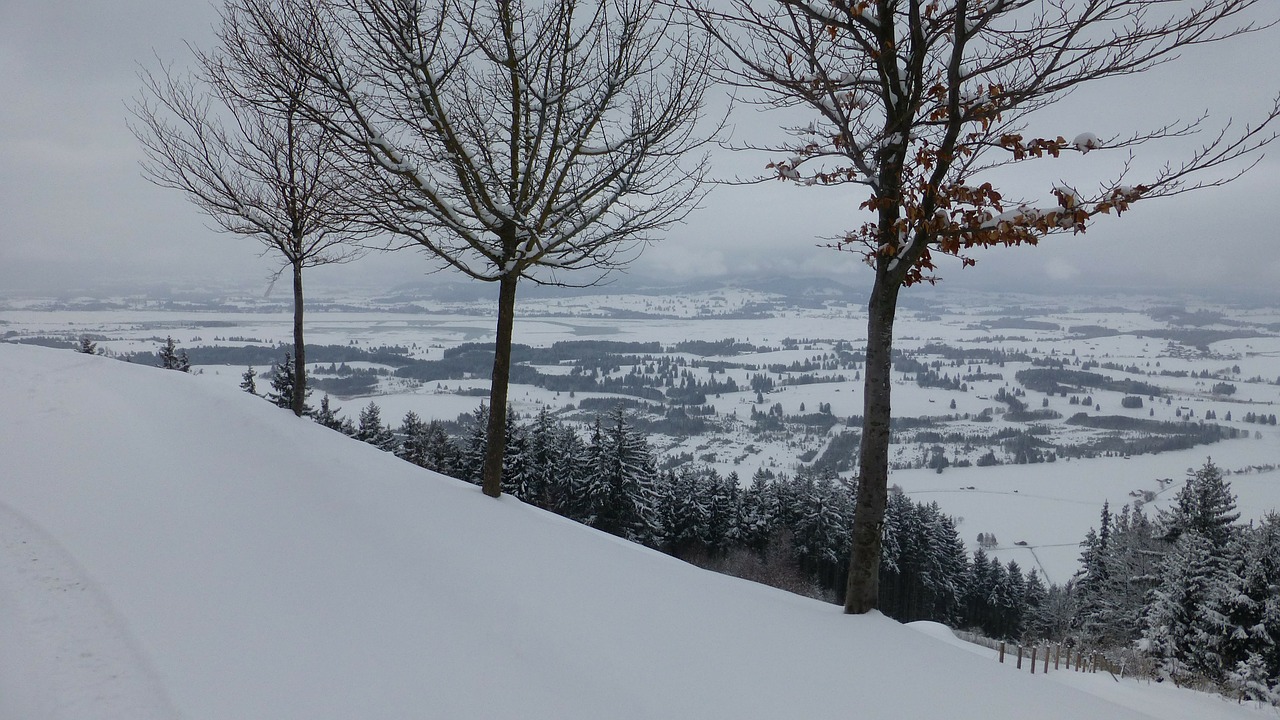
75	211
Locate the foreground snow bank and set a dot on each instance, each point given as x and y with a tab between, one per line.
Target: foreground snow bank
228	560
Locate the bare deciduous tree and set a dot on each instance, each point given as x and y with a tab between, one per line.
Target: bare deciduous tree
233	137
919	100
509	139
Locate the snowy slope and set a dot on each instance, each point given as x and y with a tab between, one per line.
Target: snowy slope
174	548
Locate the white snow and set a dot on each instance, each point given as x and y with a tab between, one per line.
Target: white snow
1086	141
171	547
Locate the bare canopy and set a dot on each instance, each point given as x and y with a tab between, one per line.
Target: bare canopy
234	138
509	139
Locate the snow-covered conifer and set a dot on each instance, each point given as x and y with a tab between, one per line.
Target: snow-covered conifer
248	382
372	430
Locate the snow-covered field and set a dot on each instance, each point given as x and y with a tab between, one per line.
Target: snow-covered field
1047	506
172	548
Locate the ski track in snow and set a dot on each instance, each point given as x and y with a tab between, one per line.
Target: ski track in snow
67	655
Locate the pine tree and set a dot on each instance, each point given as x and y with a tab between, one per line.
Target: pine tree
328	417
1205	505
442	454
373	431
979	590
172	359
624	479
946	562
515	461
282	384
684	513
821	529
247	382
1175	621
758	519
549	465
1035	603
414	443
87	346
1093	581
471	455
723	507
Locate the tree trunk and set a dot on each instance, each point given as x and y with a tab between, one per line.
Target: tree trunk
299	349
862	593
496	442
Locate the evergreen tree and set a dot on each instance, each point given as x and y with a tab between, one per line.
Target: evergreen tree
328	417
247	381
723	507
373	431
1238	610
441	453
1094	581
824	518
1134	560
470	460
173	359
624	476
1175	623
978	590
758	519
515	461
1205	505
684	512
282	384
946	562
1036	621
1011	595
87	346
414	440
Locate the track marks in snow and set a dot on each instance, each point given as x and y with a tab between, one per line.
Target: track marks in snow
64	654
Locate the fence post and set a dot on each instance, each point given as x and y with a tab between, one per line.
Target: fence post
1019	657
1057	653
1034	648
1001	651
1046	659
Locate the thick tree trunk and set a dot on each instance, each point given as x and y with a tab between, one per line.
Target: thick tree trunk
862	592
496	442
299	349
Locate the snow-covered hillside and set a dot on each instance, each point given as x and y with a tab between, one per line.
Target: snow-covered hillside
175	548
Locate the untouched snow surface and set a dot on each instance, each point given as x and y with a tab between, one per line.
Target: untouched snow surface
172	548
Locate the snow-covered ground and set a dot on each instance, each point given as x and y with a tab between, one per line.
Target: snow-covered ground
173	548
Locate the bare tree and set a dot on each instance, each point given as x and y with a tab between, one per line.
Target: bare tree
233	137
919	101
509	139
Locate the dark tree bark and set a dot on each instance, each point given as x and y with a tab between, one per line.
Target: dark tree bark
496	446
863	588
299	346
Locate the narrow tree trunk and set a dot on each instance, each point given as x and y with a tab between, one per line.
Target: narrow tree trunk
496	442
862	593
299	349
